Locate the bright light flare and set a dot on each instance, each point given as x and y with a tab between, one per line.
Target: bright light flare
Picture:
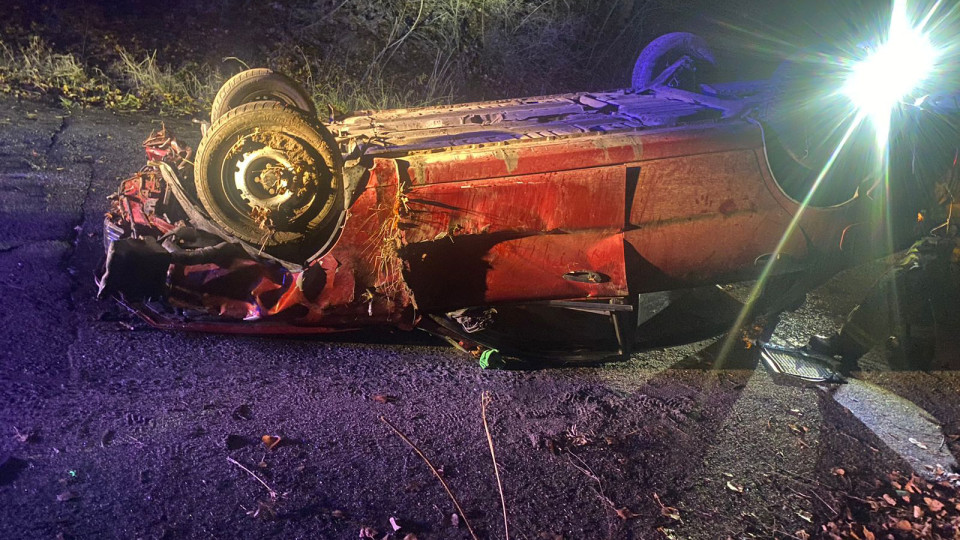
893	70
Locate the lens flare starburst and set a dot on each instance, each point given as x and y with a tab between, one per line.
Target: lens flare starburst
875	85
891	71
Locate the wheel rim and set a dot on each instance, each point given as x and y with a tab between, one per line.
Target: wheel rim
275	180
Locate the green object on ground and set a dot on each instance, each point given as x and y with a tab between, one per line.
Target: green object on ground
491	359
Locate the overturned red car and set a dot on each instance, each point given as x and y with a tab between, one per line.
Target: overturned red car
459	218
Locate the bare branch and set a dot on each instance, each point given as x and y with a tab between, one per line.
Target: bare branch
436	473
484	401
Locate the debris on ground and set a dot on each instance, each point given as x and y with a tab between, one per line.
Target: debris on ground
491	359
271	441
264	510
902	507
25	436
625	513
667	511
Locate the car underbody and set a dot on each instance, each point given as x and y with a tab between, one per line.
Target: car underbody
556	210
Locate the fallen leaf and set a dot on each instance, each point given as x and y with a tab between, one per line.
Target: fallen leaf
368	532
867	535
802	534
264	510
410	536
667	533
394	524
733	487
806	516
667	511
890	500
933	504
383	398
918	443
917	512
839	472
24	437
455	520
66	496
271	441
911	487
904	525
670	512
625	513
337	514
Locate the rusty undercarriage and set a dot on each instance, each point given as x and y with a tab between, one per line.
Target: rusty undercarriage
466	219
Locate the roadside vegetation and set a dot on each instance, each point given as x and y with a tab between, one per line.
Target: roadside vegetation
129	83
348	54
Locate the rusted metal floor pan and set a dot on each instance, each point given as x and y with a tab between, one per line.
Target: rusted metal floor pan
435	128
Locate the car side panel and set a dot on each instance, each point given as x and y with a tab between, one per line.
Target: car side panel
514	238
703	218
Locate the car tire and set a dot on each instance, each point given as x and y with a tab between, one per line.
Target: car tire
273	178
260	84
662	52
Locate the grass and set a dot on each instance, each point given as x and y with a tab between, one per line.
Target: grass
187	88
349	55
39	66
36	70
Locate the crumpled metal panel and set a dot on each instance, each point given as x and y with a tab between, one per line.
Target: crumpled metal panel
560	201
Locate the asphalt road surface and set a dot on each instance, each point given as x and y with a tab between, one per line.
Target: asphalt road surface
110	429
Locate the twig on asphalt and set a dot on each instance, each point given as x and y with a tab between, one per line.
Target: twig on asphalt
812	491
586	470
795	492
847	495
436	473
135	440
484	401
273	493
819	498
784	532
876	451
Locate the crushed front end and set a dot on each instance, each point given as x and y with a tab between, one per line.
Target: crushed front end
173	265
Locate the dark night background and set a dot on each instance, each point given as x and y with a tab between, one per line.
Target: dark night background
112	429
401	52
